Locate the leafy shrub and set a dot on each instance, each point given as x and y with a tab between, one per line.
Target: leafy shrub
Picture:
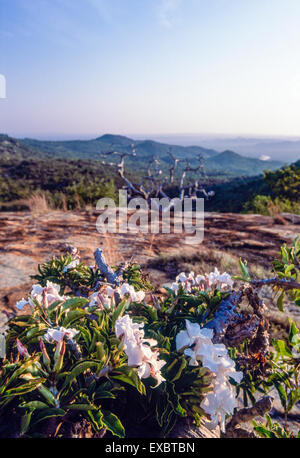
265	205
282	192
88	349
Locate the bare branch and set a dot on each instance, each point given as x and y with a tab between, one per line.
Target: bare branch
245	415
105	269
225	315
283	283
243	328
153	177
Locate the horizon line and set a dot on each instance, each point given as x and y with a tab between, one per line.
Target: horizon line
92	136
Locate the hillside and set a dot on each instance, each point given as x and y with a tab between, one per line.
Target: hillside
237	164
11	148
228	162
92	148
78	182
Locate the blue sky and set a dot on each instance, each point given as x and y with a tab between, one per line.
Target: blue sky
79	68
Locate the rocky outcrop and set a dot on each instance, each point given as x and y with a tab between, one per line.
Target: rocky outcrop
27	239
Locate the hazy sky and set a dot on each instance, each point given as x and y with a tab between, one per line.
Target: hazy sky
86	67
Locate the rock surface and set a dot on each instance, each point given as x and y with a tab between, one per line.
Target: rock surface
27	239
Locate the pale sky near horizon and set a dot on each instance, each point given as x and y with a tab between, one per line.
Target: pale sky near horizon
87	67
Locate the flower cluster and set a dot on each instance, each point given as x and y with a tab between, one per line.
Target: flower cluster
213	280
44	295
106	296
199	347
138	349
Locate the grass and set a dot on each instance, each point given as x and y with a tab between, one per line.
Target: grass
203	261
37	203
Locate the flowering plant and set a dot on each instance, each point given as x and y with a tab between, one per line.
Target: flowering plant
92	341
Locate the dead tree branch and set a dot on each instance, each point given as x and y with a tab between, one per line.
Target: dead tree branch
283	283
225	315
155	183
243	328
260	408
105	270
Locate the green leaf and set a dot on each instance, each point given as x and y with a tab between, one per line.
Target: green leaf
79	369
244	270
293	333
177	369
72	316
95	418
129	375
104	394
47	395
74	303
53	306
113	424
34	405
25	388
282	394
118	312
280	301
80	407
264	432
294	397
25	421
48	413
282	348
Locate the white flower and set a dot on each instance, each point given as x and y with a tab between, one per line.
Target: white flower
138	349
150	365
135	296
175	287
215	357
44	295
218	404
213	280
191	278
130	330
194	335
109	291
225	280
71	265
199	279
226	370
181	277
51	292
58	334
217	280
21	304
103	298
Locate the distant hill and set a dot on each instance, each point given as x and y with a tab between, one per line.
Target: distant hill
11	148
279	149
237	164
227	162
92	148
